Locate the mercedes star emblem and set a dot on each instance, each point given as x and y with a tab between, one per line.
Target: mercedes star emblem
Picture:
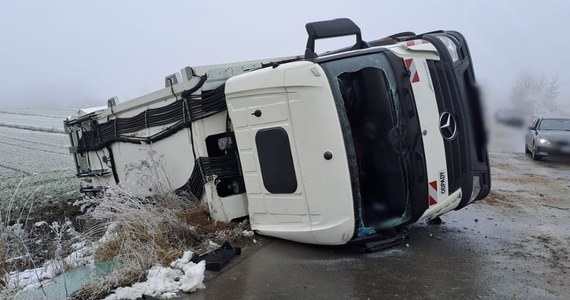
447	126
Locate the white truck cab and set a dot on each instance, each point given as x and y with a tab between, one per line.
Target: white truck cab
321	149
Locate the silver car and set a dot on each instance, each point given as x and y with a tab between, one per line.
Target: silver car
548	137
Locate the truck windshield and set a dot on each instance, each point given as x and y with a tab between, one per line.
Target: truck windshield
365	92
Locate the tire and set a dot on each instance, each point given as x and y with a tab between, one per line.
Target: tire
526	151
534	155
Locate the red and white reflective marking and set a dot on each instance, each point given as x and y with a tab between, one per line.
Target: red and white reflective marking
433	193
416	42
411	66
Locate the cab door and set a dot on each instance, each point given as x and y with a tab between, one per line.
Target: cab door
292	154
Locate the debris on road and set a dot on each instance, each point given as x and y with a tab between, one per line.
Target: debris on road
218	258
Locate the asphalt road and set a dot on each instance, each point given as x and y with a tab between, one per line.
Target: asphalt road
512	245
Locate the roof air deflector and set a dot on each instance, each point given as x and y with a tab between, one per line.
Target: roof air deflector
330	29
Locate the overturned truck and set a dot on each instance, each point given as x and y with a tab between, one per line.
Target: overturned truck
321	148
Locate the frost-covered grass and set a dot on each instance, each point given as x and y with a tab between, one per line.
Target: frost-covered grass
48	112
149	234
37	183
39	119
35	167
32	253
145	238
30	152
38	190
142	235
61	244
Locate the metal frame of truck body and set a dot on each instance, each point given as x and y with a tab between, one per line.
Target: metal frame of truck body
287	103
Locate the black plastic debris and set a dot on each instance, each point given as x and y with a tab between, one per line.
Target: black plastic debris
435	221
377	242
217	259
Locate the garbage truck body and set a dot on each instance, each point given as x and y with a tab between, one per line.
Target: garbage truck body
321	149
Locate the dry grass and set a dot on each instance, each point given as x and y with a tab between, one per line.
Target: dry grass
151	231
3	265
151	224
27	245
135	233
14	238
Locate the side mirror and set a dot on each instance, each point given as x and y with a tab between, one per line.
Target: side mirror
531	128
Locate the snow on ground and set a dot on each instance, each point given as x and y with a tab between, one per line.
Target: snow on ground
31	279
182	276
83	255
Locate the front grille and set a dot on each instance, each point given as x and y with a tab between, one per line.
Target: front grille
449	99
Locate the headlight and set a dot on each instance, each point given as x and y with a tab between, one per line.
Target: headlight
451	47
544	141
476	189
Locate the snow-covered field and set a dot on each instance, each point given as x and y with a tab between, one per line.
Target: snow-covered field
33	162
44	118
27	152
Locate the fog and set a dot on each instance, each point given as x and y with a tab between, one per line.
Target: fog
72	54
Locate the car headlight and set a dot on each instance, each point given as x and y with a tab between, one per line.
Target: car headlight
544	141
451	47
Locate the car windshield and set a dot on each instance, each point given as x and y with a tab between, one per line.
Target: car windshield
555	124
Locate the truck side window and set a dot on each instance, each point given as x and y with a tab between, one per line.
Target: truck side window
276	160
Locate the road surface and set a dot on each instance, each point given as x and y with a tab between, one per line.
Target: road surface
513	245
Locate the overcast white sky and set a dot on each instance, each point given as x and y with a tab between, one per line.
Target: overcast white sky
80	53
